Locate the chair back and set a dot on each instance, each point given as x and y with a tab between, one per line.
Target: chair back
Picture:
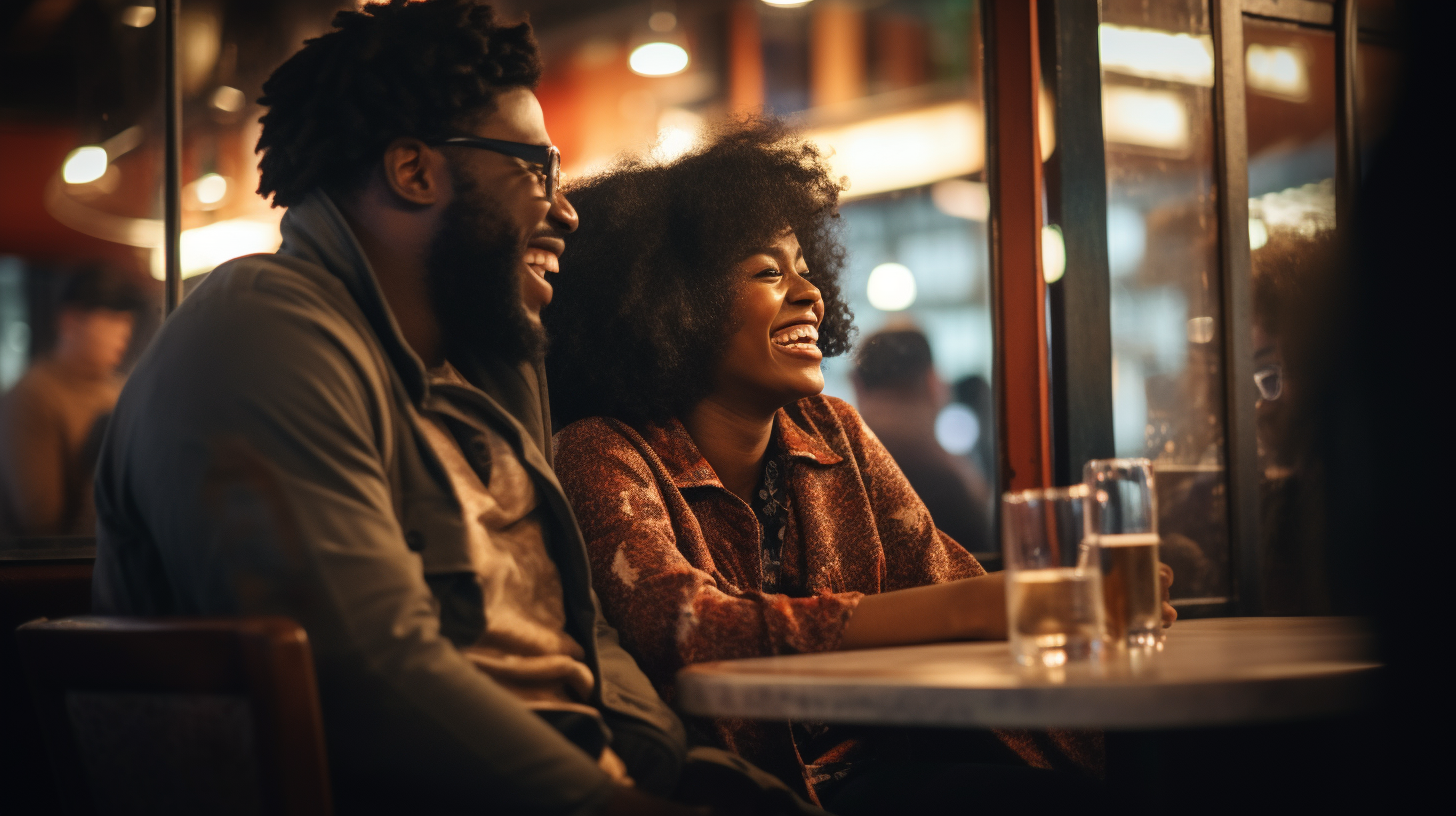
39	578
179	716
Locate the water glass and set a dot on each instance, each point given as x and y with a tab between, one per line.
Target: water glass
1053	594
1122	519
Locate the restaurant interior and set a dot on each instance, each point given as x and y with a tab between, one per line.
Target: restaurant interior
1191	234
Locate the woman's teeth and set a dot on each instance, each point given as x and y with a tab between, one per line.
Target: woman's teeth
801	335
541	260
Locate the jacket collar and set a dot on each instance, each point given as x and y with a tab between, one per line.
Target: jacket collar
687	467
315	230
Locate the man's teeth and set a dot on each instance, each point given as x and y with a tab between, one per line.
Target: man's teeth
543	260
794	335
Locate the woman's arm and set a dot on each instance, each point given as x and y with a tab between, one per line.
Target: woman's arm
967	609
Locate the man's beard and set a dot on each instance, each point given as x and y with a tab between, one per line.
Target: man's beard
475	283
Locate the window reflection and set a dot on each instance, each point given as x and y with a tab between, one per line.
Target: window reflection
1162	227
1291	131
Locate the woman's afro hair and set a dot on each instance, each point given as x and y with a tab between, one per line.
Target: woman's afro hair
384	72
643	306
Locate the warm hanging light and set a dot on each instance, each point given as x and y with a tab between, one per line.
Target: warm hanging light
84	165
210	190
786	3
656	59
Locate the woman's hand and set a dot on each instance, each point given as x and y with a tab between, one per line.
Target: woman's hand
1165	580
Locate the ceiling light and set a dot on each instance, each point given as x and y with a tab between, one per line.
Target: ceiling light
1147	118
228	99
891	287
1165	55
787	3
658	59
1053	253
957	428
904	150
1278	71
210	189
84	165
138	16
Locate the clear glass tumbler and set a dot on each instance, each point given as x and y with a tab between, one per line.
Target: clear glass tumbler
1122	519
1053	595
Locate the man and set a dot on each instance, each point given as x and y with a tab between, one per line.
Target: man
900	396
50	422
354	432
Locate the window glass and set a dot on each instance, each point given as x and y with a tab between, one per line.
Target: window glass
1290	74
1158	124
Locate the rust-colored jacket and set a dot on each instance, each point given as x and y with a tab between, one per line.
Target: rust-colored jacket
676	557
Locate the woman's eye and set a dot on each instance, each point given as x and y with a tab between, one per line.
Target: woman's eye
769	273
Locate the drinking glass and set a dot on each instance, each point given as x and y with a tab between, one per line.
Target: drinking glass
1122	519
1053	598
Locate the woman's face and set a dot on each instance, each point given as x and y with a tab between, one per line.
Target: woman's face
772	357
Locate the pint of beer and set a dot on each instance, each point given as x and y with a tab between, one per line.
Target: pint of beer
1121	518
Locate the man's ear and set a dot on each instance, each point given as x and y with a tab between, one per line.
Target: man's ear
414	172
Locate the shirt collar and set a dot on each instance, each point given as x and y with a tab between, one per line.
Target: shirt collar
687	467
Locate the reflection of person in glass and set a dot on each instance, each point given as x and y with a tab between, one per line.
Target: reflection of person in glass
1290	287
899	396
730	509
51	422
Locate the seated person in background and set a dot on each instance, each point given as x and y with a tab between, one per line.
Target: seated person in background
352	432
52	421
730	510
900	396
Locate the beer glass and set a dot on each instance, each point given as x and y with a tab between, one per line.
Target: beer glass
1053	598
1122	519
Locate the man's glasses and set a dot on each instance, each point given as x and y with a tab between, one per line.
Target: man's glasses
1270	381
547	157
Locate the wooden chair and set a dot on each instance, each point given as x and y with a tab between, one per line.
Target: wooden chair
48	578
179	716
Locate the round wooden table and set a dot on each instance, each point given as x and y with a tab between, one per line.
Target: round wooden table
1227	671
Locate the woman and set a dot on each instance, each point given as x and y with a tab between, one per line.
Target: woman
730	510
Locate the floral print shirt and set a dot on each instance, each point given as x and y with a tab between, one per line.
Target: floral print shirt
679	562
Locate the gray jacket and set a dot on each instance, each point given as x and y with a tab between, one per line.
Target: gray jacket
266	458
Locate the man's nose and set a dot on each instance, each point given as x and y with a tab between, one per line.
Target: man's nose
562	215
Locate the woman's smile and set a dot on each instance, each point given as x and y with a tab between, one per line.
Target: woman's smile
798	340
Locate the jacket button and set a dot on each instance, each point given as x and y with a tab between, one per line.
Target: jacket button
414	540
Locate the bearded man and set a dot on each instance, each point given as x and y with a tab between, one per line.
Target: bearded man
354	432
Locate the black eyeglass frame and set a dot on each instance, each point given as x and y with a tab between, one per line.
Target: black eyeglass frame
547	156
1262	379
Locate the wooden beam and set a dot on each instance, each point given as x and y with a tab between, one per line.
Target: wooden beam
745	59
1018	290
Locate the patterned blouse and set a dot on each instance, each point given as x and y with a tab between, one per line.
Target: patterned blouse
680	565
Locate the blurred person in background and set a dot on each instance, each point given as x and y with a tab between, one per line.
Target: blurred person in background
900	395
52	421
732	510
